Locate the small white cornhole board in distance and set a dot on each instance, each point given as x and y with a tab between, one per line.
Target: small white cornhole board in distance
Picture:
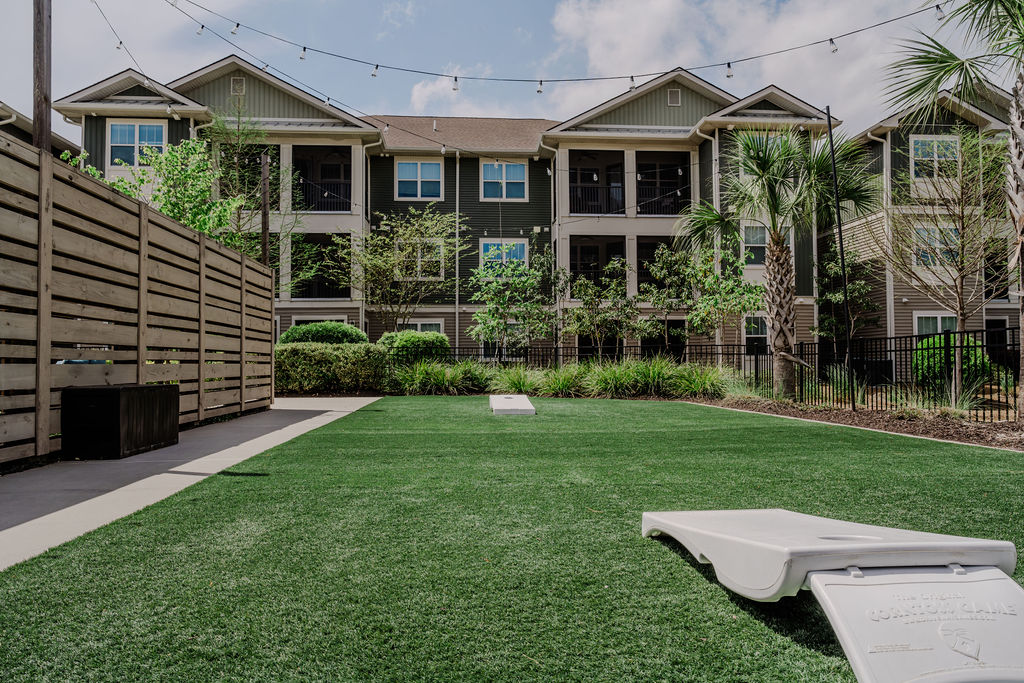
512	404
905	605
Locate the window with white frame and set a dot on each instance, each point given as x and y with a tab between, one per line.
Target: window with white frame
934	156
127	139
755	243
495	250
502	180
495	351
424	261
422	326
933	323
418	179
935	245
755	334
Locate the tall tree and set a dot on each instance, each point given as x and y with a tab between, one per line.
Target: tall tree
994	32
781	181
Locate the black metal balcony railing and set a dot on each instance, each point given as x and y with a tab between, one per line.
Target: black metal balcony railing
325	195
320	287
597	199
661	200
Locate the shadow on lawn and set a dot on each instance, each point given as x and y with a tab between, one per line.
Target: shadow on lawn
798	618
226	473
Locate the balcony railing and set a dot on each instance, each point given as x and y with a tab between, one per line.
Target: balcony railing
661	200
320	287
597	199
323	196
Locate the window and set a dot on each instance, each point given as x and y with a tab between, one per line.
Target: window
238	85
934	156
307	319
501	180
755	334
495	250
675	97
425	262
128	138
418	179
935	245
997	270
933	323
422	326
755	242
494	351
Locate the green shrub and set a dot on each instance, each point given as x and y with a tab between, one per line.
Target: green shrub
517	379
612	380
326	332
693	380
929	366
410	346
312	368
652	377
567	381
431	378
471	377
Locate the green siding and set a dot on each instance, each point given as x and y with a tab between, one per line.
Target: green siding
497	219
803	259
261	99
992	109
944	122
705	165
138	91
651	109
177	131
94	141
766	105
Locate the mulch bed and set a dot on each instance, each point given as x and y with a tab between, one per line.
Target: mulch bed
999	434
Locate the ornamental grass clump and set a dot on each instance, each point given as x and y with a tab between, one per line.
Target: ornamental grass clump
567	381
692	380
612	380
431	378
653	377
517	379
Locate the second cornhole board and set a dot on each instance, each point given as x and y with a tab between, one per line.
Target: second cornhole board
511	404
905	605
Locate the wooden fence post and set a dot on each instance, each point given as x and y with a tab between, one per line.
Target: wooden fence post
141	347
201	369
44	247
241	336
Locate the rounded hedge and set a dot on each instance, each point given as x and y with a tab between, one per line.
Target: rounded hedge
930	368
410	346
311	368
326	332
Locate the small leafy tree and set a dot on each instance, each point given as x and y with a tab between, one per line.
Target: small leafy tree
863	308
719	291
605	311
672	290
407	259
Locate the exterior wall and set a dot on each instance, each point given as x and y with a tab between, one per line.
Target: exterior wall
94	136
652	109
261	99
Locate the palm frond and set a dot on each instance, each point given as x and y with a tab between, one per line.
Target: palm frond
989	22
701	225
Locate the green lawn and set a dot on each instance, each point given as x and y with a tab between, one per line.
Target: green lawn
422	538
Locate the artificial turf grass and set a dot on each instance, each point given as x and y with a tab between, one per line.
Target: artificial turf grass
423	538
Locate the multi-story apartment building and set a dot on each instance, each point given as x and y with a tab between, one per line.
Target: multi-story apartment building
909	147
607	183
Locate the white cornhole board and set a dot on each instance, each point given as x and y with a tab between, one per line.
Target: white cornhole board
905	605
512	404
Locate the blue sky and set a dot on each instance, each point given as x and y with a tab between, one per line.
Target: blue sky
529	38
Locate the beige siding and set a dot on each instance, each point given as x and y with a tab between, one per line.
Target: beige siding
866	236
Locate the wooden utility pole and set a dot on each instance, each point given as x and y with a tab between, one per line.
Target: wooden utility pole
265	208
41	35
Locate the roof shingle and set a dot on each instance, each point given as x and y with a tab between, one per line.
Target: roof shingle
474	134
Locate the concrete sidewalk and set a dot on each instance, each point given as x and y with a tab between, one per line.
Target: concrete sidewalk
44	507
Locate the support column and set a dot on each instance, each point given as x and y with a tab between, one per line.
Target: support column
631	260
629	183
44	252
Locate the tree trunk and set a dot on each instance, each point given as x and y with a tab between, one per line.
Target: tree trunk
1015	194
780	305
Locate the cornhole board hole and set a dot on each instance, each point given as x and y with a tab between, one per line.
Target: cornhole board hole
512	404
905	605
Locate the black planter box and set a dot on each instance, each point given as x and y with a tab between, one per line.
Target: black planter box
117	421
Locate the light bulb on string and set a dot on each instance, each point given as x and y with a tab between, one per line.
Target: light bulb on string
595	177
266	65
387	126
120	44
632	83
548	170
199	31
832	44
728	70
679	171
373	74
302	55
939	14
455	84
234	31
540	87
444	149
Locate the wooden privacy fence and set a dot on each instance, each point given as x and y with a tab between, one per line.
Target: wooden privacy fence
95	288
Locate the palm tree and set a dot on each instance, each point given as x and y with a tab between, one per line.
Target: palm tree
994	31
782	181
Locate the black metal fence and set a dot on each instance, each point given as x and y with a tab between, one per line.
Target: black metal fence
973	373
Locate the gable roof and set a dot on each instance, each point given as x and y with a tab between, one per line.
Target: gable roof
107	96
679	75
24	124
786	102
949	101
473	134
226	65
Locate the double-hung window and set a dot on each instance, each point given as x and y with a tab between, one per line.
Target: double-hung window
503	180
417	179
933	323
936	245
422	261
129	138
503	250
755	242
755	334
421	326
934	156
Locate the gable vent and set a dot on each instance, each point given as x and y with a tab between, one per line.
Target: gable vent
238	85
675	97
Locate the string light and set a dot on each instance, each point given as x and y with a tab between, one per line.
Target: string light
327	100
632	83
728	69
168	110
443	149
832	44
302	55
199	31
455	84
387	127
234	31
373	74
120	44
595	177
540	87
548	169
266	65
424	72
939	14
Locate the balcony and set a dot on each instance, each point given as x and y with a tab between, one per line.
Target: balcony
662	183
309	252
596	182
596	199
589	254
323	178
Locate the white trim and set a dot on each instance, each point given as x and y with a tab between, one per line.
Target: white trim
312	318
679	97
130	77
525	163
419	262
926	186
425	321
777	96
419	179
938	315
505	241
110	165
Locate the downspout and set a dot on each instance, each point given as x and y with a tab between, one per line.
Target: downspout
458	240
13	118
553	167
366	210
719	339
